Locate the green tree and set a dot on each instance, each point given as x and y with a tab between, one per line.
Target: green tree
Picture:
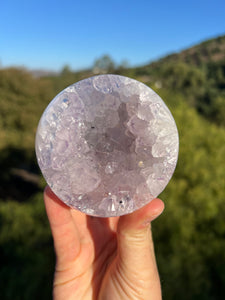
66	70
104	64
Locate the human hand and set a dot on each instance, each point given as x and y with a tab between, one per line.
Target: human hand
103	258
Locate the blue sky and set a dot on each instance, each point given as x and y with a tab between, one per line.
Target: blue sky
49	34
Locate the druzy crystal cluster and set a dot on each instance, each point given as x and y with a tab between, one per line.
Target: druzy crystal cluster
107	145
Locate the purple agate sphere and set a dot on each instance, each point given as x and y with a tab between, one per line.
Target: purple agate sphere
107	145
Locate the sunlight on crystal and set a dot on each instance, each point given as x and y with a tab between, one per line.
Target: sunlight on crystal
107	145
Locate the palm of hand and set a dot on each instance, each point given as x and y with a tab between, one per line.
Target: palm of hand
89	264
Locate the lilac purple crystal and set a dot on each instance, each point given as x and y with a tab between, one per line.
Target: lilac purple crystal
107	145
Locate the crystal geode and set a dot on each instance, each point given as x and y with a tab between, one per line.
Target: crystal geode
107	145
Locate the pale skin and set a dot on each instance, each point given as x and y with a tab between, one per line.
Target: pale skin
103	258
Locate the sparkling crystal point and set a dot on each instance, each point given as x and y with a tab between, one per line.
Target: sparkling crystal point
107	145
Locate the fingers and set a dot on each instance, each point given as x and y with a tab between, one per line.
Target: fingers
64	231
136	253
141	217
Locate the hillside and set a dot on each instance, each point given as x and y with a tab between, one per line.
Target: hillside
197	73
209	51
189	236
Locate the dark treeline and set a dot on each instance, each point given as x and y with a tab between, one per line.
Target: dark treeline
189	236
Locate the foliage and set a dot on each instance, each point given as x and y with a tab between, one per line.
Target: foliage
104	64
189	236
26	250
198	73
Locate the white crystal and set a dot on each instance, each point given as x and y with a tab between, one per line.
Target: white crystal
107	145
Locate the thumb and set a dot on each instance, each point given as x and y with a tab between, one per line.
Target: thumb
135	245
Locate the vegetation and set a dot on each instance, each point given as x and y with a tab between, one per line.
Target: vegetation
189	236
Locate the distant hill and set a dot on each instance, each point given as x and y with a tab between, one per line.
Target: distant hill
197	73
43	73
212	50
209	51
